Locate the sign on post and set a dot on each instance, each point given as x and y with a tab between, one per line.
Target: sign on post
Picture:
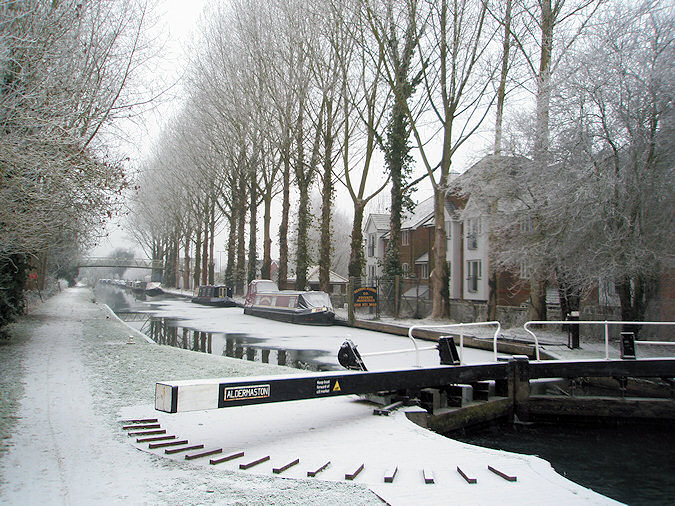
365	297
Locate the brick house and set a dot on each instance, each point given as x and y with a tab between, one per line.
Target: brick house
467	253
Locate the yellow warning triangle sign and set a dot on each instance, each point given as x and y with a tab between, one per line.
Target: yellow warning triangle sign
336	387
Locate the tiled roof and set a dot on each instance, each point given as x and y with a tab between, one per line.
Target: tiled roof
423	211
381	221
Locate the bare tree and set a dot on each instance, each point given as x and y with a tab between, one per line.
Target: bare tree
456	92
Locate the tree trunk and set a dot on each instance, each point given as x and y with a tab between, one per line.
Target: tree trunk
501	91
240	272
356	259
439	273
266	270
176	261
537	297
493	278
186	262
283	227
252	229
231	249
302	257
396	159
634	295
212	241
325	245
205	252
198	257
541	143
397	155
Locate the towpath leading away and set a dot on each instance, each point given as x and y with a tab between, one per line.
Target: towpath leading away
69	376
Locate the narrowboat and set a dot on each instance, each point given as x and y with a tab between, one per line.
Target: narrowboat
153	288
138	287
266	300
210	295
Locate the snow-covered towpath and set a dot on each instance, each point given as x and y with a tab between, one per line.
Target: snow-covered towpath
61	451
62	442
69	376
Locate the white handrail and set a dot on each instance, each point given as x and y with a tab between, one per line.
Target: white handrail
461	336
586	322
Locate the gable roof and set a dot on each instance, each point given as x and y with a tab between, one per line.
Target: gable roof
313	276
381	221
420	215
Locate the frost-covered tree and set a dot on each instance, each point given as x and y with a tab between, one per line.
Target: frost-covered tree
618	155
601	208
65	71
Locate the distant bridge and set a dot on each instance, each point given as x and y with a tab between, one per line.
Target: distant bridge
128	263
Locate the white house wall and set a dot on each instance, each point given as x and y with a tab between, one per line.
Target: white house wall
477	254
455	259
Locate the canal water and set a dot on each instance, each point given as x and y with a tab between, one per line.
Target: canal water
631	464
133	309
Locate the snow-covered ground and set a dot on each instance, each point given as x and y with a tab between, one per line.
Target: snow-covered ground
69	377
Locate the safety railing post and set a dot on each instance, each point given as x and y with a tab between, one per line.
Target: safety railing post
605	323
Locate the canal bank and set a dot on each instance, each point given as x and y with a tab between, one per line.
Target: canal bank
82	377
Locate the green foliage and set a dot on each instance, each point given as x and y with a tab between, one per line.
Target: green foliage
12	279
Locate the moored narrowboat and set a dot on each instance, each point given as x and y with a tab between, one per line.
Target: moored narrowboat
138	286
214	295
311	307
153	288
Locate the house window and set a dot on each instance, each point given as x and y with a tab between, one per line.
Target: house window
472	232
473	267
524	270
371	275
371	245
526	225
405	237
424	271
406	269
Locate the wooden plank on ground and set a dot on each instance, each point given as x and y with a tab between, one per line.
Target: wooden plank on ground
226	458
312	474
390	474
184	449
141	426
502	474
428	476
249	465
177	442
154	438
351	476
146	433
466	477
279	470
144	420
207	453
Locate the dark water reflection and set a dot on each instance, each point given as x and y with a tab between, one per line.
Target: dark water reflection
235	345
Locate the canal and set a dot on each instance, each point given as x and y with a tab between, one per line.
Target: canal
629	463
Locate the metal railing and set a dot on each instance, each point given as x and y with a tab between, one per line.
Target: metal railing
605	323
461	336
